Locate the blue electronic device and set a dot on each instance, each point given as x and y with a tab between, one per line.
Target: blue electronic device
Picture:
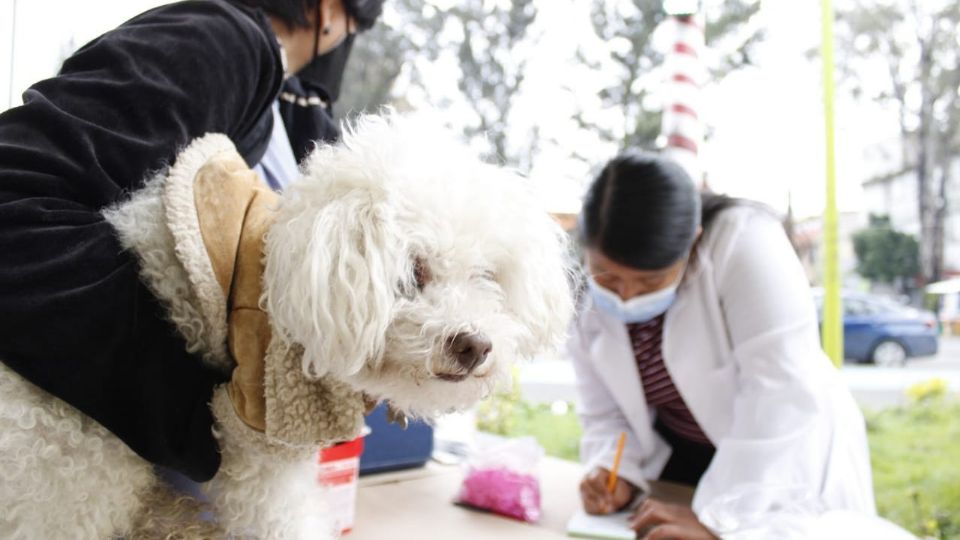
389	447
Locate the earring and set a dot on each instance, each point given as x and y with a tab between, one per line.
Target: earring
326	30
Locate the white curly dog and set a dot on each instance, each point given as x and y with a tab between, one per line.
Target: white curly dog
398	268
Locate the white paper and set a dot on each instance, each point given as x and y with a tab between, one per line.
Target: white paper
611	526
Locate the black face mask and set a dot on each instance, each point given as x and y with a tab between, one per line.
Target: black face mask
325	72
307	97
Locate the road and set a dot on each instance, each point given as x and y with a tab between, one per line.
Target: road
947	359
873	387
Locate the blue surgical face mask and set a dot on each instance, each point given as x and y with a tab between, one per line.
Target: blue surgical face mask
638	309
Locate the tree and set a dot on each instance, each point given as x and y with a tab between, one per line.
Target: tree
397	43
492	65
489	44
627	27
483	36
914	45
885	255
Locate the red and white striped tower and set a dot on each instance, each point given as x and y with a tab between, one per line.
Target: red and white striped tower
682	129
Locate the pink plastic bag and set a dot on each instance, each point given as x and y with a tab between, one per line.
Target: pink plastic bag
502	477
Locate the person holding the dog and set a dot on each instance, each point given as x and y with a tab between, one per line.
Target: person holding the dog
698	338
77	320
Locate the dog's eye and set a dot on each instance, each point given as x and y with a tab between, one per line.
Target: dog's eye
421	273
488	275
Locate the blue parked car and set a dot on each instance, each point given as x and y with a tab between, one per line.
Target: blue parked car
883	332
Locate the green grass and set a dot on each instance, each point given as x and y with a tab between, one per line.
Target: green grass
510	415
915	453
558	434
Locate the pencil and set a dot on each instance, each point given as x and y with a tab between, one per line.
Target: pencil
612	480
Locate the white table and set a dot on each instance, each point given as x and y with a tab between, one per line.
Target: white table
417	504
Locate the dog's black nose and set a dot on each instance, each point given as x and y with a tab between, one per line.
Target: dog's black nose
469	349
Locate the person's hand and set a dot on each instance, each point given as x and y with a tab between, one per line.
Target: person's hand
655	520
596	498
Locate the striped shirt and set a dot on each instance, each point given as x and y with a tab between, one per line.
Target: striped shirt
658	387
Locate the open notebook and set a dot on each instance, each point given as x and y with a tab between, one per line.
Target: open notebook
611	526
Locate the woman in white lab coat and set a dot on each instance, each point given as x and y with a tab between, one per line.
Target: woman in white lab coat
698	338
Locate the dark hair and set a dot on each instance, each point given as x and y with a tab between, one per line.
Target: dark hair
642	211
365	12
294	12
712	204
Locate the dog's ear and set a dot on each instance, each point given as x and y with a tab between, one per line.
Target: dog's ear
331	270
538	282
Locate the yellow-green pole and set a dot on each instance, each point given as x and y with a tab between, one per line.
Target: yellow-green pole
832	330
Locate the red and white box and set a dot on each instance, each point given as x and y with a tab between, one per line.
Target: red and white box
338	474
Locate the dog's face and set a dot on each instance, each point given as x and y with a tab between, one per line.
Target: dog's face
411	270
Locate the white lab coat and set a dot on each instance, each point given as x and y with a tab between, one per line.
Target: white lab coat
742	346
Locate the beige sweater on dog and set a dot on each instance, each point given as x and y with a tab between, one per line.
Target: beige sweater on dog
198	229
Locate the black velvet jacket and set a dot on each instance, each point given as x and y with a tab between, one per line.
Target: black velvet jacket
74	317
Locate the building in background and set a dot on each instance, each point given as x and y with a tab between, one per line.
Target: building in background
895	196
807	240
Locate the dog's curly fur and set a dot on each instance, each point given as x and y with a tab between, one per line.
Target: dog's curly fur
394	195
391	244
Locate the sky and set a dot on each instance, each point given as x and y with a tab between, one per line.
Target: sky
767	121
770	134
